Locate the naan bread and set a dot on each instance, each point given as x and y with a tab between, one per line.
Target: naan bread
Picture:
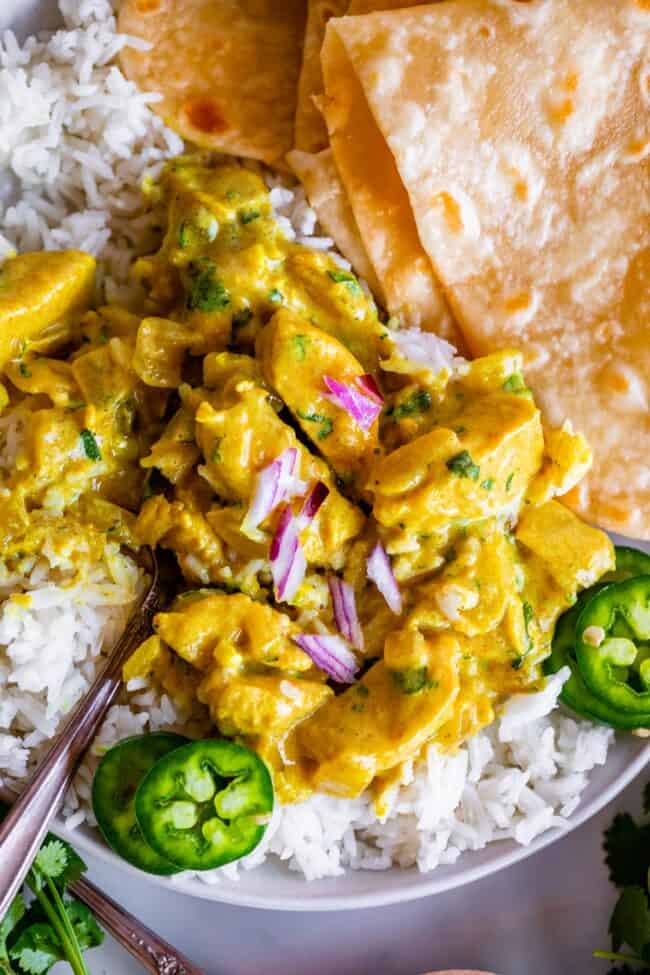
310	128
318	174
377	196
227	70
521	132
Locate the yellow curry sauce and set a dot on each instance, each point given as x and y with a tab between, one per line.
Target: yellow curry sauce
154	428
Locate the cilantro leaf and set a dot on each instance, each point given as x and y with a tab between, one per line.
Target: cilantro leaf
462	465
627	851
88	932
37	950
630	923
90	446
417	403
207	292
52	859
8	925
414	680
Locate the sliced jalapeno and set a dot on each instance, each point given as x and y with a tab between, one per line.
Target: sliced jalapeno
205	804
630	562
117	778
575	693
613	647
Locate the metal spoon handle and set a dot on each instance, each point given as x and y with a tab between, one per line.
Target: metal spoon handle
153	952
23	829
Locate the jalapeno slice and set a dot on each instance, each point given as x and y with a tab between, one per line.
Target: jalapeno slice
575	693
205	804
613	647
630	562
117	778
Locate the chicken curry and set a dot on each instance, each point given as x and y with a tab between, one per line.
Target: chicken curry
372	551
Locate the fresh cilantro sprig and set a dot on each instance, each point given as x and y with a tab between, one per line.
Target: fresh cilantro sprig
627	854
54	927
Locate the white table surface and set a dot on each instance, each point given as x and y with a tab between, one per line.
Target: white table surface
543	916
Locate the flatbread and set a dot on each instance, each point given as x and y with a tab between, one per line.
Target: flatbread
521	132
227	70
377	196
310	128
318	174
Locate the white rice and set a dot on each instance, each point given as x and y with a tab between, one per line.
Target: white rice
76	138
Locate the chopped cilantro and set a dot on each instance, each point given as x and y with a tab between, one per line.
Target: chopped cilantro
247	216
325	422
462	465
90	445
184	234
300	343
414	680
509	480
25	370
362	690
207	292
528	613
275	297
488	483
418	402
232	195
215	453
349	280
515	384
517	663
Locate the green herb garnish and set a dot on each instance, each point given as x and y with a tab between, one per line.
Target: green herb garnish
509	480
207	292
414	680
349	280
515	384
90	445
325	422
247	216
24	370
416	403
300	343
488	483
462	465
54	928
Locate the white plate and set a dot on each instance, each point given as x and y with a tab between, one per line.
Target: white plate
273	886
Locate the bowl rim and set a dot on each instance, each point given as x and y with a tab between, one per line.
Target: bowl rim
427	885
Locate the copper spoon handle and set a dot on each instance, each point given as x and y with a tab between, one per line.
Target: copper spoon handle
23	829
153	952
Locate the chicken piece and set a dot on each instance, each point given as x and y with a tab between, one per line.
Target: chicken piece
42	376
468	473
472	591
175	454
160	349
295	357
153	659
575	554
567	458
384	718
40	294
182	528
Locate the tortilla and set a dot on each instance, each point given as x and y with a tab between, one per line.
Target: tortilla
377	196
310	129
318	174
522	134
227	71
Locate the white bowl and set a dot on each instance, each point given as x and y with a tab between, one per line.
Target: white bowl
273	887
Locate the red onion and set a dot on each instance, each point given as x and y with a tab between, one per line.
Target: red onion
288	565
345	611
380	571
275	483
312	503
362	401
331	654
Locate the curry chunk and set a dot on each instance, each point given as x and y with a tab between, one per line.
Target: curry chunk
183	528
574	553
383	719
466	473
41	293
295	357
567	459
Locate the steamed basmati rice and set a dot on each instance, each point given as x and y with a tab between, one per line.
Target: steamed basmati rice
76	139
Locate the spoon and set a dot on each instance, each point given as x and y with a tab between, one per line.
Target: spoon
23	829
154	953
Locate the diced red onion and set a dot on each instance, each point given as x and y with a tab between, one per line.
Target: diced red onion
312	503
361	402
331	654
380	571
288	565
345	611
275	484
